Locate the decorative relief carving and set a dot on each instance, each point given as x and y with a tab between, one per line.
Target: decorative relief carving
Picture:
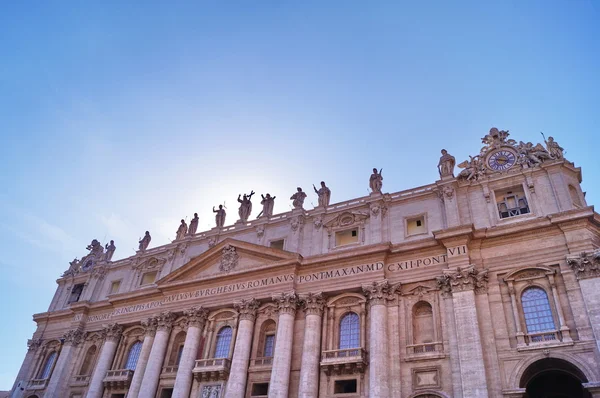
73	337
297	222
164	321
463	279
229	258
318	222
196	316
420	291
313	303
212	241
286	302
346	301
379	293
246	308
586	265
33	344
346	219
260	231
112	332
150	326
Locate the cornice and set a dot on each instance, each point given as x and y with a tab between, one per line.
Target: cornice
454	232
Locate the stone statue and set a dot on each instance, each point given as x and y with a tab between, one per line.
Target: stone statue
530	155
145	241
298	198
193	225
95	249
181	231
110	250
555	150
376	181
74	268
220	216
446	164
267	203
474	169
324	194
245	206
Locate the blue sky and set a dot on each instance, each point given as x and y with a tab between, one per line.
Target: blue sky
118	118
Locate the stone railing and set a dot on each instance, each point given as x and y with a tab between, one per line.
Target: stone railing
212	369
81	380
169	371
118	379
425	348
543	337
262	361
344	361
37	384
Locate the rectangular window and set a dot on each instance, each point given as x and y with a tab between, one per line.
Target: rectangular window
76	293
345	386
148	278
166	393
511	202
416	226
277	244
346	237
260	390
269	346
114	287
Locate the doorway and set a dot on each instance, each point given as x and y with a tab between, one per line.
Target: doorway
553	378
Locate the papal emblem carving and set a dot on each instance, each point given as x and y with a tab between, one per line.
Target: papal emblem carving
229	259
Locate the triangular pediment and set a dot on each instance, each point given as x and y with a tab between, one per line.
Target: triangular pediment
229	257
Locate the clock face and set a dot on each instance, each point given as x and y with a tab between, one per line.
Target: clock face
501	160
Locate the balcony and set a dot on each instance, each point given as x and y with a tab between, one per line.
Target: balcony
433	350
118	379
347	361
80	381
212	369
169	372
261	363
37	384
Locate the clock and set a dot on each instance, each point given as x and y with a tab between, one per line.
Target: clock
501	160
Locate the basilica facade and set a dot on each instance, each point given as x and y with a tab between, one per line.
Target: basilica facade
483	284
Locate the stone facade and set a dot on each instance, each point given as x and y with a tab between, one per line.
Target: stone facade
468	287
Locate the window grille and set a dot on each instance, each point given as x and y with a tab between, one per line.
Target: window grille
223	342
134	355
536	308
48	366
512	205
349	331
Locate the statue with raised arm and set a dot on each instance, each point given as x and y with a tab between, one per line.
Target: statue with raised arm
446	164
376	181
193	225
555	150
220	216
267	203
245	206
110	250
324	194
145	241
181	231
95	249
298	198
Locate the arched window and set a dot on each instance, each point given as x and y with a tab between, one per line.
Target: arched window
133	356
423	331
536	308
223	342
177	349
266	344
349	331
47	369
88	361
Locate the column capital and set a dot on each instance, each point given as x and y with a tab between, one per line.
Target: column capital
380	292
33	344
586	265
463	279
246	308
73	337
149	326
286	302
196	316
112	332
313	303
164	321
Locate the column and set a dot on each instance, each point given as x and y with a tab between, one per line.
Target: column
140	368
282	361
587	271
313	304
462	285
378	294
164	323
183	381
112	335
60	373
236	384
